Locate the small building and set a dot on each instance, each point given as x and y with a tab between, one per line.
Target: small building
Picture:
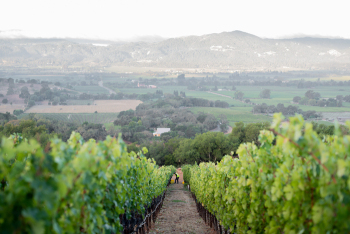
152	86
141	85
160	131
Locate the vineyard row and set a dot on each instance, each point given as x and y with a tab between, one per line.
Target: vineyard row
294	182
78	187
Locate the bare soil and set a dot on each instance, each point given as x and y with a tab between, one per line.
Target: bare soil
179	213
10	108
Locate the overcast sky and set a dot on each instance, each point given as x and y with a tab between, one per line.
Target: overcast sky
125	19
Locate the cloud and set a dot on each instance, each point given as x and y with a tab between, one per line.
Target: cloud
12	33
18	34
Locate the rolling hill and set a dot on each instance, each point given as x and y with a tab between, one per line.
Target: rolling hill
227	51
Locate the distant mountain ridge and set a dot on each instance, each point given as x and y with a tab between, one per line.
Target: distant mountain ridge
227	51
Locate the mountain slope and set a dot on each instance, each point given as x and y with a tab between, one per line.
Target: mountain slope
224	51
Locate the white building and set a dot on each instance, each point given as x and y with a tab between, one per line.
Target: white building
160	131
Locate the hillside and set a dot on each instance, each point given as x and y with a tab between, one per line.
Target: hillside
227	51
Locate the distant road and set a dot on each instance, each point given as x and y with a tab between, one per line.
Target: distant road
219	94
100	83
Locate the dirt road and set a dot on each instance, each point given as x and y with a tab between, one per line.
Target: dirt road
100	83
179	213
220	94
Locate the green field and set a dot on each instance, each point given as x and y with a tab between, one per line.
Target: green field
91	89
289	92
282	95
98	118
234	114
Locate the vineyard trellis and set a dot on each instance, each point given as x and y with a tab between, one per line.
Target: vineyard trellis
295	182
77	186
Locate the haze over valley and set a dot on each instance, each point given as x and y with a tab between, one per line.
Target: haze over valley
219	52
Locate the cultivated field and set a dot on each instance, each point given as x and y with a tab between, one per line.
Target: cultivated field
234	114
279	94
101	106
91	89
80	118
80	102
10	108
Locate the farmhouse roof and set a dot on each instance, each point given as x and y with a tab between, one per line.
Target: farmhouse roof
162	130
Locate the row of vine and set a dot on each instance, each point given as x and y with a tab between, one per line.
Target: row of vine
76	187
295	182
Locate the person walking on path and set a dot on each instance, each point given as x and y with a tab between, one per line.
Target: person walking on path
176	178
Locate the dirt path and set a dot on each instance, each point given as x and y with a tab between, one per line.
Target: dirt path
179	213
220	94
100	83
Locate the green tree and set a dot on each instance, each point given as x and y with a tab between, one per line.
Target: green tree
239	95
31	103
265	93
17	112
24	92
10	91
296	99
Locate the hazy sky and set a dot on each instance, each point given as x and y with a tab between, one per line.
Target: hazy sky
121	19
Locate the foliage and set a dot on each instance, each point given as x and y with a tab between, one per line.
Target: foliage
265	93
239	95
42	129
246	133
18	112
163	153
327	130
75	188
209	146
313	99
4	118
299	184
165	113
186	170
289	110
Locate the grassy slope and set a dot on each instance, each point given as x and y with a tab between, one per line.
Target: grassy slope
234	114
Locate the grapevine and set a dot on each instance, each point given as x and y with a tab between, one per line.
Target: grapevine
76	187
295	182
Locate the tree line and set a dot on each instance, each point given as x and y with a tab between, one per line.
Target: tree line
312	98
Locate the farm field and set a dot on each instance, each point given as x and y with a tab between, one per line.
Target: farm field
189	93
289	92
10	108
101	106
63	79
79	118
234	114
91	89
282	95
80	102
